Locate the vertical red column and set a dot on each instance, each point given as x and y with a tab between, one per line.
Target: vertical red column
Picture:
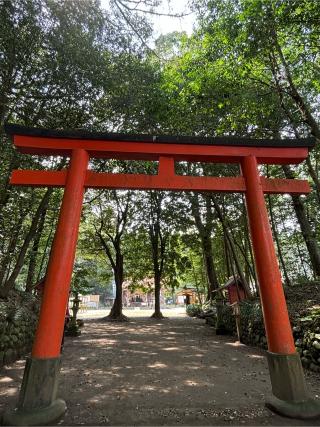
57	283
276	319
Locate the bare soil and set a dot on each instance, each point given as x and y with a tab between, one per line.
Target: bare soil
174	371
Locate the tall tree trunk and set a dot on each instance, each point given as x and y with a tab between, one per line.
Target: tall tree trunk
276	238
302	261
213	282
116	310
205	232
280	92
6	260
308	235
5	192
292	90
44	255
232	247
9	284
226	254
247	247
314	176
157	293
115	256
158	247
34	253
158	261
247	254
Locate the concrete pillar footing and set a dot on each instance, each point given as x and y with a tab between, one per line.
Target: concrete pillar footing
308	409
291	397
287	377
38	403
35	417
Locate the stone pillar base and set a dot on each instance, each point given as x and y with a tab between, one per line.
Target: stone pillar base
37	403
291	396
37	417
308	409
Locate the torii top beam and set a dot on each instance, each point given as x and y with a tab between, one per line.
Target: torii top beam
151	147
165	149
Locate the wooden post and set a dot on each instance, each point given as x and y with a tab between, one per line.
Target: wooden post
290	395
38	403
57	283
236	312
276	318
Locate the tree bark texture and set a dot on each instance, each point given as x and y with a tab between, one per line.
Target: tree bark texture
157	293
9	284
276	238
34	253
158	240
308	234
205	229
232	246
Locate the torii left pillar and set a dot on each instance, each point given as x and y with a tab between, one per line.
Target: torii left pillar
37	403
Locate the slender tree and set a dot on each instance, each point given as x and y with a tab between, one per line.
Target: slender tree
112	212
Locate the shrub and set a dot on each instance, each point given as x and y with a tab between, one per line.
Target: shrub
194	310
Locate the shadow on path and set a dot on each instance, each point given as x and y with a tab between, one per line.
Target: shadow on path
150	372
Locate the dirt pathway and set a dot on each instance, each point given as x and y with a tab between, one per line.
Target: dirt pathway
146	372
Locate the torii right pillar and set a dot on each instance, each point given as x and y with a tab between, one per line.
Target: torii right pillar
291	397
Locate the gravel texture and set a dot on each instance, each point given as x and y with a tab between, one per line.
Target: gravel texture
149	372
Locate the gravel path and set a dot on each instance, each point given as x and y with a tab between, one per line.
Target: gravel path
149	372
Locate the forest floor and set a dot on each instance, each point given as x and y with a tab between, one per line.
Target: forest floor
148	372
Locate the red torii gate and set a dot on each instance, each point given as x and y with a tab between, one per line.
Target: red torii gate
37	402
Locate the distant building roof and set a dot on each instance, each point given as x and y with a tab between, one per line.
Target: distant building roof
231	281
187	291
